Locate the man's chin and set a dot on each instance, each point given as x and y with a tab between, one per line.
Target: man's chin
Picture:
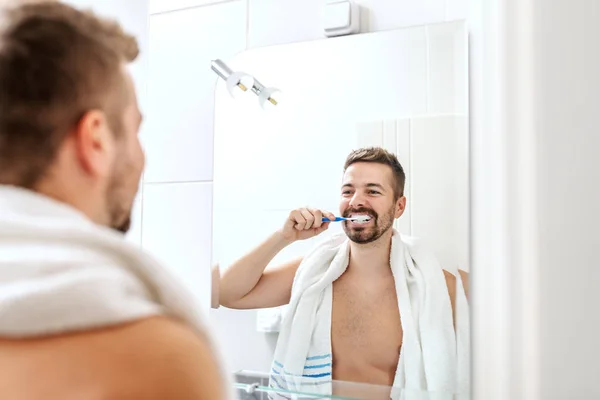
124	226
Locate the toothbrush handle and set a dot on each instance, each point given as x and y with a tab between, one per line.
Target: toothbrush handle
333	220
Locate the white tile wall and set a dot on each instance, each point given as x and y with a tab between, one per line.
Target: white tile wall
457	9
160	6
181	87
403	224
286	21
177	230
273	22
135	232
447	87
439	186
385	14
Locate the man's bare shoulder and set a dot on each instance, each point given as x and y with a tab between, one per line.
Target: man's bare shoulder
451	282
154	358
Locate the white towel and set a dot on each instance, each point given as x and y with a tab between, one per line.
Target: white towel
433	358
268	320
59	273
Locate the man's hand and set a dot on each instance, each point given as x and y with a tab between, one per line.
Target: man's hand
304	223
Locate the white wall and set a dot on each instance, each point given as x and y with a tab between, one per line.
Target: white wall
537	213
567	93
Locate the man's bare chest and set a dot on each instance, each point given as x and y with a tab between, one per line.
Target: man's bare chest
365	323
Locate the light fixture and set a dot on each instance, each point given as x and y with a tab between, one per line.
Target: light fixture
240	82
237	82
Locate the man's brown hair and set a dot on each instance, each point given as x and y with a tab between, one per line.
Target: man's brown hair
56	64
380	156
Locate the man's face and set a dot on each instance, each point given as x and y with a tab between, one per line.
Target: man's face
128	165
367	189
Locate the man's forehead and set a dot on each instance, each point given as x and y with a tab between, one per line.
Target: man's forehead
364	173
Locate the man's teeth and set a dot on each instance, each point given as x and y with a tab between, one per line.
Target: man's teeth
361	219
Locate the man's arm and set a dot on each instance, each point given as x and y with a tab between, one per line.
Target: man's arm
451	285
246	284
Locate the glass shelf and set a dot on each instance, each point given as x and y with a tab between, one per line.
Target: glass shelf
251	385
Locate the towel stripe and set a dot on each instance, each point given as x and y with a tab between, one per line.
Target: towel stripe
317	375
317	366
318	357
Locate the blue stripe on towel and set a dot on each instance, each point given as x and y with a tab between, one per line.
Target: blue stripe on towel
280	365
274	379
317	366
317	375
318	357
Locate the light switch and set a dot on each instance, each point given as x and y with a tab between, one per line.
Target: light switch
341	17
337	15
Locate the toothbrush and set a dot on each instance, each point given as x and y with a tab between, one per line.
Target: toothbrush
361	218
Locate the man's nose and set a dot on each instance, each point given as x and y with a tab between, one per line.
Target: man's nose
357	200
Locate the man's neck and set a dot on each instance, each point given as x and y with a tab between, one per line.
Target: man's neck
372	258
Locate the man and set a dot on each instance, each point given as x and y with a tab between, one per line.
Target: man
83	314
366	330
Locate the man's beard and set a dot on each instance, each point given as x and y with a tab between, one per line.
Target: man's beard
371	233
118	203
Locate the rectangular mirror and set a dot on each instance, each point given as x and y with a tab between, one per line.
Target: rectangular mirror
404	91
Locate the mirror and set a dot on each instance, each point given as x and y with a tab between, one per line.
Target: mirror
351	317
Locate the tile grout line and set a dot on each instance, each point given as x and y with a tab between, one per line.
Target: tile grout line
247	24
192	7
428	67
177	182
410	162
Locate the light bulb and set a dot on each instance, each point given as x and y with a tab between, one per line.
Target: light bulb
269	98
239	83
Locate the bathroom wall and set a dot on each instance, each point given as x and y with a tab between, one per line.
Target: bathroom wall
184	36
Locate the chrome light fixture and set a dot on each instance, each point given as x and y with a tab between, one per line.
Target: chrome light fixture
240	82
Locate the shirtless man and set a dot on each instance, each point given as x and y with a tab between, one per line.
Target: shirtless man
70	153
366	333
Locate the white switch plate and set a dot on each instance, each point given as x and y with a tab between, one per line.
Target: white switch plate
341	17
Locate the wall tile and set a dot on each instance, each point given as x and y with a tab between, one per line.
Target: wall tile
457	9
369	134
439	188
403	224
276	22
135	232
379	15
179	141
448	68
159	6
272	22
177	229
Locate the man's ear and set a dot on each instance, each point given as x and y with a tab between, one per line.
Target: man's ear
400	207
94	143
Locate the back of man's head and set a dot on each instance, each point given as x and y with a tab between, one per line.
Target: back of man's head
68	130
56	63
68	111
